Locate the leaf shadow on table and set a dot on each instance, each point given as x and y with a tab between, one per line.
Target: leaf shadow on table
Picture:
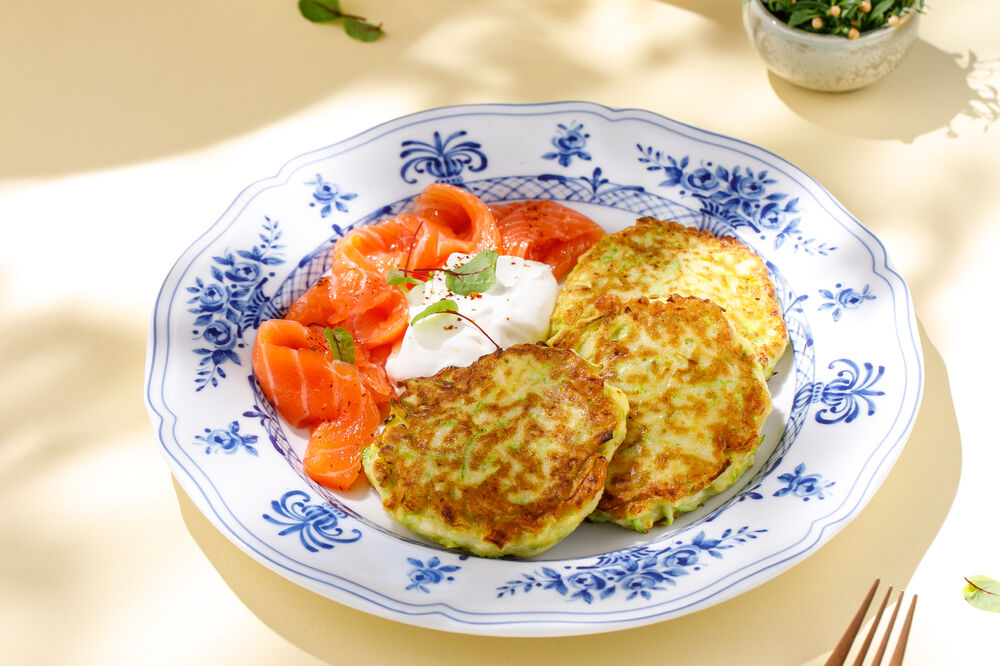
72	407
788	620
117	85
69	379
930	90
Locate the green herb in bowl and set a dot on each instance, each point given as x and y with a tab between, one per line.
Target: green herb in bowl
848	18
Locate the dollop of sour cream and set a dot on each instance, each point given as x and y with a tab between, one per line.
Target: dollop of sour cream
515	310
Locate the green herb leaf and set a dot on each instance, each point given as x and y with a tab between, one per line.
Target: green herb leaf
474	276
320	12
883	7
448	306
799	17
982	592
445	305
362	31
397	277
324	11
341	343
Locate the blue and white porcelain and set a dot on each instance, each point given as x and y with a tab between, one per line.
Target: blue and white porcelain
845	394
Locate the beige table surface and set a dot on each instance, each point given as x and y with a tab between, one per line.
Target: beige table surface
126	128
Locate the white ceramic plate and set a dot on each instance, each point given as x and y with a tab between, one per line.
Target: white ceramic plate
845	394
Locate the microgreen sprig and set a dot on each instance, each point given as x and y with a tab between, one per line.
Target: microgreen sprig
400	276
413	243
325	11
341	343
474	276
448	306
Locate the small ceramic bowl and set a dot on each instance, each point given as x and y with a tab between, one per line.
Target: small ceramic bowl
827	62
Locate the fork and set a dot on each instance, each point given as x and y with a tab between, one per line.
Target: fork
843	648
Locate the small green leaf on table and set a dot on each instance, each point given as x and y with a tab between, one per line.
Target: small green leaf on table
982	592
320	12
325	11
361	30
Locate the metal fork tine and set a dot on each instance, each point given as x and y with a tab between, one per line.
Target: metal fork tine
871	631
904	635
840	652
888	630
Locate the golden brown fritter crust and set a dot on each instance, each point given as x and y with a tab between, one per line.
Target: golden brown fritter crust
657	258
504	457
697	402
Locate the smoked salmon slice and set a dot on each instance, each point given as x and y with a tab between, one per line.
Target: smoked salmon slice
374	312
294	368
383	322
466	223
333	453
378	248
545	231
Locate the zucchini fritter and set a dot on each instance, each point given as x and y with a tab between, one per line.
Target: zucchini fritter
505	457
697	402
656	258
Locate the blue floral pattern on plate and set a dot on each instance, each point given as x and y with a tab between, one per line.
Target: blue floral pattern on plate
738	195
329	197
317	525
845	298
227	440
569	142
635	572
844	396
443	159
424	575
836	378
805	486
229	304
797	484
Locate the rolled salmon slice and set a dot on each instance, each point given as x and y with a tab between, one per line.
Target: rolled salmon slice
466	223
378	248
545	231
343	291
374	312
